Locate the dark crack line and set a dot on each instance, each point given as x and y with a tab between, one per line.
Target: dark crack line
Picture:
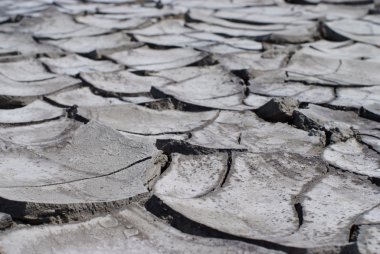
372	179
299	198
299	209
5	125
370	147
227	174
82	179
355	227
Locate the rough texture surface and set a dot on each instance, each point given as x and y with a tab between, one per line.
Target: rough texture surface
189	126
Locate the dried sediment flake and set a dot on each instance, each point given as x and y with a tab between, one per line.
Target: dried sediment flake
25	70
354	157
325	223
39	134
89	163
356	30
83	97
257	198
175	40
110	22
170	26
15	44
273	83
36	111
15	92
52	25
133	229
214	89
357	97
89	44
337	72
154	60
142	120
191	176
74	64
244	130
341	124
250	60
123	82
281	180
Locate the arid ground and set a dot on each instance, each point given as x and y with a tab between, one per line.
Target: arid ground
189	126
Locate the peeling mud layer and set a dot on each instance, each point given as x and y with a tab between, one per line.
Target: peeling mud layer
189	126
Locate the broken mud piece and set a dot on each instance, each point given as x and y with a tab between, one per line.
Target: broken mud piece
148	59
243	191
51	25
332	71
265	15
278	110
174	40
297	33
139	11
223	91
37	111
186	73
341	125
240	43
356	30
256	101
250	60
132	229
225	131
74	64
145	121
123	82
358	97
275	84
312	188
260	136
111	22
94	44
354	157
17	93
359	51
92	165
83	97
27	70
244	130
205	16
15	45
39	134
164	27
191	176
325	223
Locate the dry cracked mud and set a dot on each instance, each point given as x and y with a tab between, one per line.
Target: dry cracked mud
189	126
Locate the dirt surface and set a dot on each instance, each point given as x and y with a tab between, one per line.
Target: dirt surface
188	126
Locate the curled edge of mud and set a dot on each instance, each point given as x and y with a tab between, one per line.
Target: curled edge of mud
158	208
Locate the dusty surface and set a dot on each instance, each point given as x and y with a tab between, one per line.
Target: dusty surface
189	126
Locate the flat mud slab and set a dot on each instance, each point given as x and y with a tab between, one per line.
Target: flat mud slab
177	126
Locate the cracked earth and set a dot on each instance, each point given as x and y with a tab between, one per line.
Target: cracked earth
198	126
